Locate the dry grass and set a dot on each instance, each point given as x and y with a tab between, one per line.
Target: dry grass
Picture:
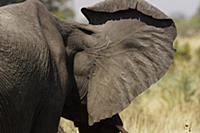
155	115
67	126
173	104
193	41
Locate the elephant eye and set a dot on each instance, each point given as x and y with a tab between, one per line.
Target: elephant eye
89	32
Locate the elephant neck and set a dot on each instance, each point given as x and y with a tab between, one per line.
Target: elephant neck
65	28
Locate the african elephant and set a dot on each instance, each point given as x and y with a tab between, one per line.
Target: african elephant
87	73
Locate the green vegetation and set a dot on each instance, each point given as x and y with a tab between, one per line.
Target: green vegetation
60	8
189	26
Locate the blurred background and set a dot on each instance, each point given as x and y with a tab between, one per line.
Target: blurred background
173	104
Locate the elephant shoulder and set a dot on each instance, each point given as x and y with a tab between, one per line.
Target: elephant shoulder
20	32
20	22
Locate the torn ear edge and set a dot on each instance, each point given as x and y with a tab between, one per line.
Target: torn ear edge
101	17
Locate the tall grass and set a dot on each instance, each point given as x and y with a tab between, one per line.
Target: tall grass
173	104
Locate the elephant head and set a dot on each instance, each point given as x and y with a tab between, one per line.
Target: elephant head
95	69
126	47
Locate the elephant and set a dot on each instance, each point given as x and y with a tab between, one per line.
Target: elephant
87	73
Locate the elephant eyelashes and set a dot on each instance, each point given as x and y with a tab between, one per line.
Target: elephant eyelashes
89	32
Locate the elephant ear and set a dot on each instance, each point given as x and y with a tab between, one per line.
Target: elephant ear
134	49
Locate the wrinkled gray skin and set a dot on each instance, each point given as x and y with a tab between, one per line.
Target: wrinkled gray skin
33	73
87	73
